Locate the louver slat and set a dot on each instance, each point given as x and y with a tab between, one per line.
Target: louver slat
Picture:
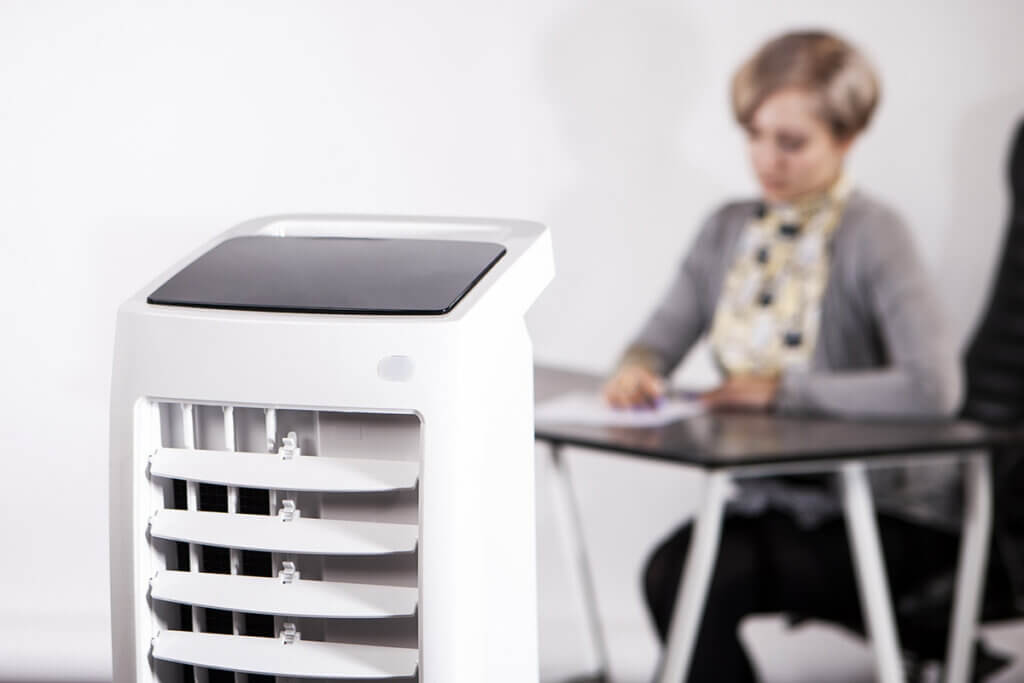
258	532
265	595
299	473
271	656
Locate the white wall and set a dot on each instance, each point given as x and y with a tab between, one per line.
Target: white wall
131	131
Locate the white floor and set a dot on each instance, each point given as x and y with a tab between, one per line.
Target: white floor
810	653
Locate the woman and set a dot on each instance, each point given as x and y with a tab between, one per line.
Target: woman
815	302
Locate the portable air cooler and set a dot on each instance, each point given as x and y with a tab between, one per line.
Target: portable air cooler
322	456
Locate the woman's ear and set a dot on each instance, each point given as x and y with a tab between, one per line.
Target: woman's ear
844	144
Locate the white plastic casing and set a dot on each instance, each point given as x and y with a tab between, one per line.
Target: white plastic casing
467	375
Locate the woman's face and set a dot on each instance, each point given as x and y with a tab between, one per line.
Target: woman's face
793	151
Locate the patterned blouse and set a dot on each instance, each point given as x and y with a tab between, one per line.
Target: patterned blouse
768	317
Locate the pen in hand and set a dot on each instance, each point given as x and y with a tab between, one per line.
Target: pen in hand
670	394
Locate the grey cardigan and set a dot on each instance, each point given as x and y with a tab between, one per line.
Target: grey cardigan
883	349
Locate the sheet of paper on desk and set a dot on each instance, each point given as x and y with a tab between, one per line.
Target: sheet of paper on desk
591	409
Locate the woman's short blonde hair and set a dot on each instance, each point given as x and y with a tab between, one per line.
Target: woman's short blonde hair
816	61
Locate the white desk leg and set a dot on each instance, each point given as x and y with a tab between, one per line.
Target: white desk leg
970	578
567	517
695	579
876	604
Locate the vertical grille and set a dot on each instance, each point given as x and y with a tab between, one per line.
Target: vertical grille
284	544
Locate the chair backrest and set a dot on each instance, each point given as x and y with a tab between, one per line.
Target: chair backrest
995	358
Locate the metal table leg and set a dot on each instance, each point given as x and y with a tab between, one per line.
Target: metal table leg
870	569
695	579
567	516
970	579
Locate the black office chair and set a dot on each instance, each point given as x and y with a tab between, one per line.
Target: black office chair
995	387
994	366
994	362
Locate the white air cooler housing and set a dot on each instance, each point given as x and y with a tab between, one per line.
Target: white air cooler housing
321	456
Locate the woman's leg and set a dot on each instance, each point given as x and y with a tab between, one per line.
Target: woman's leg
769	564
735	591
811	572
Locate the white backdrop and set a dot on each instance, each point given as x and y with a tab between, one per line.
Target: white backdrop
130	132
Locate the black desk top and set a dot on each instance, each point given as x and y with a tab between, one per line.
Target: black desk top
730	439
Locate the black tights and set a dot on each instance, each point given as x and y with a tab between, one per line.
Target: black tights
769	564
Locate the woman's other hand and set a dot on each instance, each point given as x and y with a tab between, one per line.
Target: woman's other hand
749	392
634	385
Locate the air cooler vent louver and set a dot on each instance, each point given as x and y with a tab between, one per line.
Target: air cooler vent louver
336	500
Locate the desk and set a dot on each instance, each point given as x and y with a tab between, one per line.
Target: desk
726	446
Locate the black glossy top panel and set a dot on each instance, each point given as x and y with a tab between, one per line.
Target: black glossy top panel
331	275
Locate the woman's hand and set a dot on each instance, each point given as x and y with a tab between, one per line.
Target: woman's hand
749	392
634	385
